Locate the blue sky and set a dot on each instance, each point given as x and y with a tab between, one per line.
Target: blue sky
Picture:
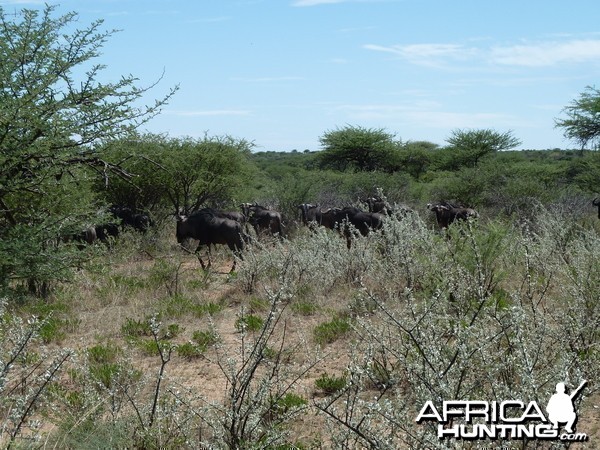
281	73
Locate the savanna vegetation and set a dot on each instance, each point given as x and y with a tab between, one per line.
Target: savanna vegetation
127	343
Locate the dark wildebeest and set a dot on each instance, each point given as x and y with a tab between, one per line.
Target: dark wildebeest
331	218
312	214
446	213
129	218
378	205
106	231
336	218
363	221
87	236
237	216
262	218
209	227
596	202
234	215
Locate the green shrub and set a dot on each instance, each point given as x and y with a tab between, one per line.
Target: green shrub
136	328
173	330
259	304
105	365
100	354
330	384
208	308
329	332
150	347
285	404
250	323
190	350
175	305
304	308
55	319
205	338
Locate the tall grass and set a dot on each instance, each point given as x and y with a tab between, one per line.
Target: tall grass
485	310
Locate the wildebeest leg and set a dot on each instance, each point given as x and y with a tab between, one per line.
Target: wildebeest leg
209	257
204	267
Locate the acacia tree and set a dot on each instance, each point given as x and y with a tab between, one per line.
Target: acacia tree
51	121
357	148
182	174
582	124
467	147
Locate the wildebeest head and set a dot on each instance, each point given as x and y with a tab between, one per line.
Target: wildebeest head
262	218
446	213
378	205
180	229
308	211
596	202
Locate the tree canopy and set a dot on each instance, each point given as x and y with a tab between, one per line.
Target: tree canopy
180	175
51	120
582	124
355	148
468	147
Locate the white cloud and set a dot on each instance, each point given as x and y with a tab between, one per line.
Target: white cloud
547	53
427	54
543	54
427	113
204	113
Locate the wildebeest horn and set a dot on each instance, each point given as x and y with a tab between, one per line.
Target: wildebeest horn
596	201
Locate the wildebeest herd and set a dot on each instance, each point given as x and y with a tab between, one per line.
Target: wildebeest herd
210	226
121	217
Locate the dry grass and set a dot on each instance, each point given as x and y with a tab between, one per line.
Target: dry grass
150	276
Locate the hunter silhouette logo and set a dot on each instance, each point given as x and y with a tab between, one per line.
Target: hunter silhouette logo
509	419
560	407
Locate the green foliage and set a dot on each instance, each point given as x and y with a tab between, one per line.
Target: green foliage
181	174
205	338
136	328
415	158
51	121
330	384
200	342
105	365
582	124
584	172
468	147
328	332
304	308
189	350
288	402
165	272
356	148
55	319
259	304
249	323
485	140
209	308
